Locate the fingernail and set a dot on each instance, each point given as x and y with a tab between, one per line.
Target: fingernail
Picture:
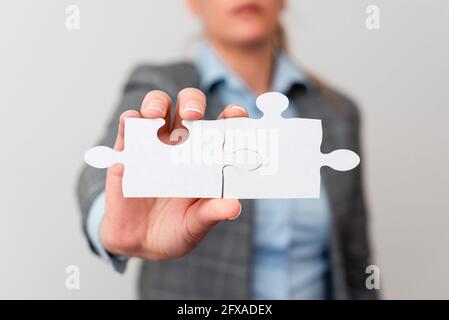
155	105
193	107
237	215
236	107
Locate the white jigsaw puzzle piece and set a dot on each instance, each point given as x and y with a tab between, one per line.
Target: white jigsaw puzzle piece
242	158
290	153
192	169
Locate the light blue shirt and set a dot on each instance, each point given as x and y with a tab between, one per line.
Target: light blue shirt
291	237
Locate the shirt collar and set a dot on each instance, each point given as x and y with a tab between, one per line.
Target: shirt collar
286	74
213	71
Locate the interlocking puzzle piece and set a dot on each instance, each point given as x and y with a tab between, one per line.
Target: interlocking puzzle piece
242	158
290	152
193	169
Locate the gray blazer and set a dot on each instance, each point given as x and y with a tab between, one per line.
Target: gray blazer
220	267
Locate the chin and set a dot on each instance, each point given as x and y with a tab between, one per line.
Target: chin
253	41
252	37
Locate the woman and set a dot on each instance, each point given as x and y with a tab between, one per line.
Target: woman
290	249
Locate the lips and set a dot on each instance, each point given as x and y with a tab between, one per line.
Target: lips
247	9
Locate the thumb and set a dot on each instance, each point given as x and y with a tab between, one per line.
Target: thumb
115	173
117	170
120	140
205	213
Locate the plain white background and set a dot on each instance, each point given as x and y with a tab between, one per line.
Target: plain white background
58	88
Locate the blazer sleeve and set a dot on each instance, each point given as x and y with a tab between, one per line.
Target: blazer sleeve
357	247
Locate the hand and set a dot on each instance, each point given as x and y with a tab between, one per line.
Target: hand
162	228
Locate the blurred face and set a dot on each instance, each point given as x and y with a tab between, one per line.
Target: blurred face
238	22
